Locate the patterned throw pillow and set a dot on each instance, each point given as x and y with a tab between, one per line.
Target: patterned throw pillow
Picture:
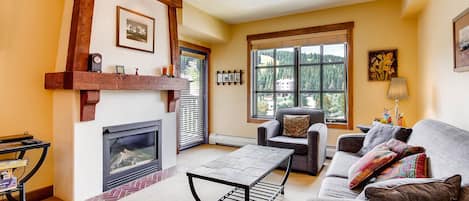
368	164
413	166
403	149
295	125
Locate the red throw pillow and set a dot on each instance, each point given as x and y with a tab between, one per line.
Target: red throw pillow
413	166
372	161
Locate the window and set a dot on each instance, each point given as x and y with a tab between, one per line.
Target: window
312	76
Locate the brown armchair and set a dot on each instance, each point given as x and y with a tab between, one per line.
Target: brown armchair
310	152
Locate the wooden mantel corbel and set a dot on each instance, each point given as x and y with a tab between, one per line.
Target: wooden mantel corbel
77	61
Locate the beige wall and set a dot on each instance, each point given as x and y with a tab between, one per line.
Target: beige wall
378	25
28	47
443	92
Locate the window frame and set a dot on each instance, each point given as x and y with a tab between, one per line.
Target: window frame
348	26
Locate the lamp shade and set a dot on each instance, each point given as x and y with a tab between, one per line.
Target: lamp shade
398	88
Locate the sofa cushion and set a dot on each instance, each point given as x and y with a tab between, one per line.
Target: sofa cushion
446	147
300	145
335	187
378	134
371	162
295	125
392	183
447	190
413	166
341	163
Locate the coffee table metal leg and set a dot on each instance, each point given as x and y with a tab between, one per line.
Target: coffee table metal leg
287	173
191	185
246	194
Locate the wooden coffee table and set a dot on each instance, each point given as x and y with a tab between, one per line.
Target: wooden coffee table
244	169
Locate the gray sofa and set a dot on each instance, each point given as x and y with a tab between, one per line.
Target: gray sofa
447	148
310	152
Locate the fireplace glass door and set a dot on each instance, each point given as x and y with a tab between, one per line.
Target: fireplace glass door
131	151
192	110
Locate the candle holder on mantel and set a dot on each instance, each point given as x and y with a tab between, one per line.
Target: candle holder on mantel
168	71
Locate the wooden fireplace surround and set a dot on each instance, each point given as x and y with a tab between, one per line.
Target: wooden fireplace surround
76	76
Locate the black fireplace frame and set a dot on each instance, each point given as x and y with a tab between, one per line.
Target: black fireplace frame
114	180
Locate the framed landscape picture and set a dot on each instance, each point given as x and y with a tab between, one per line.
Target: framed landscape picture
461	42
135	30
382	65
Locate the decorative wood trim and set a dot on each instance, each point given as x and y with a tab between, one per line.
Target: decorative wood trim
80	35
80	80
195	47
301	31
309	30
172	3
88	101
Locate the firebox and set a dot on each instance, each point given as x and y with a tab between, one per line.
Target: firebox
130	151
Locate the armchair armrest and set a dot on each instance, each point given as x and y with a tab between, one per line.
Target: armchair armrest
350	142
317	142
267	130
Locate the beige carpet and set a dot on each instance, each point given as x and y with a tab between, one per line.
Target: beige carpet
299	187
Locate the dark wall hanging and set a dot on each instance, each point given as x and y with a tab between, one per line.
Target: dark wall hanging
230	77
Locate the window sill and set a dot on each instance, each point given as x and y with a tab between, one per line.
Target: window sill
343	126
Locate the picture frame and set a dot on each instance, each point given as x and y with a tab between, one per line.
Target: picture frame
461	42
219	78
134	30
120	69
382	64
226	77
237	77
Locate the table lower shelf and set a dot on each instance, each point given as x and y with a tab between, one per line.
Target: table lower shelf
262	191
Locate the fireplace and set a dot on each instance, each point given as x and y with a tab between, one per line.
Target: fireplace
130	151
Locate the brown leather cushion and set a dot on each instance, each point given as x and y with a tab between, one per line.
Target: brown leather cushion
447	190
295	125
464	194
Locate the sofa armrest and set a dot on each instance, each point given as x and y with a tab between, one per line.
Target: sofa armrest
350	142
317	142
267	130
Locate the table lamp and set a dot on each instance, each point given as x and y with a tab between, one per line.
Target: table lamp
397	91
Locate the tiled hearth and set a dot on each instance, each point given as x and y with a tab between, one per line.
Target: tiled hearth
134	186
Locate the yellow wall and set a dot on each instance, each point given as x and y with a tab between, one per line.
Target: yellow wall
378	25
200	26
28	48
443	92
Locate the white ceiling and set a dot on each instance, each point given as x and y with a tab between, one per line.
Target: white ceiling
239	11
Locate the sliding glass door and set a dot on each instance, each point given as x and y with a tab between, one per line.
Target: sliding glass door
193	102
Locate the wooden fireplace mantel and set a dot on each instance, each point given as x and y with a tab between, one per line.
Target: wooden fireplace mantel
89	84
82	80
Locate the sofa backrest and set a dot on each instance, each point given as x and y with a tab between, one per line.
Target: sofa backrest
315	115
447	148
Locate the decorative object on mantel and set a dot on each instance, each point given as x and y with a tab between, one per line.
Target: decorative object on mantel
135	30
397	91
382	65
95	61
171	71
461	42
120	69
229	77
136	71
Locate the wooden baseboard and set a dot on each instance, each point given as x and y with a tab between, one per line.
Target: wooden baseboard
39	194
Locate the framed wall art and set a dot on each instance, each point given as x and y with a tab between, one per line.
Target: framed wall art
382	65
461	42
229	77
135	30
